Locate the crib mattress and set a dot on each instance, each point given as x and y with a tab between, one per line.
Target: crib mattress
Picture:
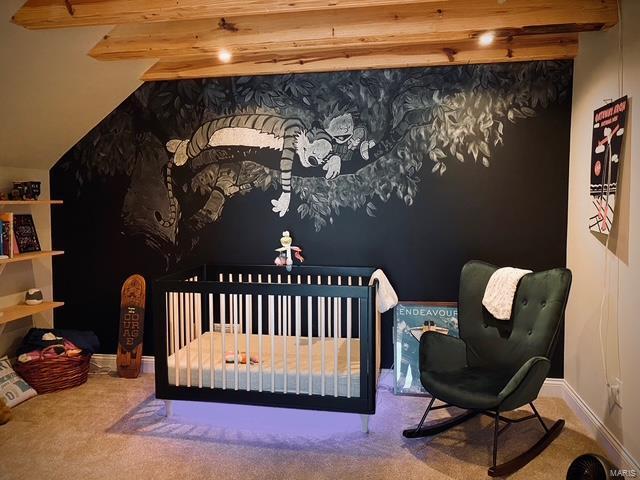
276	371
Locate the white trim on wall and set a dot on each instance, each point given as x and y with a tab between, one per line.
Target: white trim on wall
614	449
108	360
553	387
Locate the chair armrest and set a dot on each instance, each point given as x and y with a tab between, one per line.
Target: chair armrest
525	384
441	352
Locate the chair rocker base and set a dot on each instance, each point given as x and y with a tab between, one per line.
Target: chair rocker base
503	469
440	427
511	466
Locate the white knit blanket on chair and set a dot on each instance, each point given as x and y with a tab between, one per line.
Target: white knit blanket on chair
501	290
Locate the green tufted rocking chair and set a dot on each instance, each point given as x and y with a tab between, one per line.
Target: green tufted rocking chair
495	366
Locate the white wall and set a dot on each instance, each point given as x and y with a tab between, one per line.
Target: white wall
51	92
18	277
596	82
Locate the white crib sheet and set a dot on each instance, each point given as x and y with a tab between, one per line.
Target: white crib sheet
276	371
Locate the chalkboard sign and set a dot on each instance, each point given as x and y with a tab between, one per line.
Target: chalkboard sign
25	232
411	320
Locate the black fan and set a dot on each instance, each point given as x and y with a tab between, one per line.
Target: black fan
590	467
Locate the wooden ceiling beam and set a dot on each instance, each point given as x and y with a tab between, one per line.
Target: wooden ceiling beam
533	47
40	14
451	21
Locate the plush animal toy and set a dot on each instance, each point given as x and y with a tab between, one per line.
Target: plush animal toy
5	412
243	358
285	258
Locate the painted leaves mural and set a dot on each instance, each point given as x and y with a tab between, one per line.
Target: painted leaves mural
318	143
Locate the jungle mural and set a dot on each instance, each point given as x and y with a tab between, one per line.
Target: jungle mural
320	143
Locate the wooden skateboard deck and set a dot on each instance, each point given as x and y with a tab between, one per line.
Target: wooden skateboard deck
132	303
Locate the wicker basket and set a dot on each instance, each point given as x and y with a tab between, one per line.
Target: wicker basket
57	373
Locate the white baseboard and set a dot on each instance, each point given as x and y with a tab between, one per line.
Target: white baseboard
553	387
108	360
616	452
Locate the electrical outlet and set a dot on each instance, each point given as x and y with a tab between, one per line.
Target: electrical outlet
616	392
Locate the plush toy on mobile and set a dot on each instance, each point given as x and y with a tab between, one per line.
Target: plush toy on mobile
285	258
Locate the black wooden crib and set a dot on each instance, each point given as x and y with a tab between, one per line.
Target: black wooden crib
259	335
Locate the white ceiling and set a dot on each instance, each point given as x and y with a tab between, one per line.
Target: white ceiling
51	92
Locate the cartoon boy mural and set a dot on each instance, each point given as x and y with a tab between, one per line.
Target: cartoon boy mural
347	137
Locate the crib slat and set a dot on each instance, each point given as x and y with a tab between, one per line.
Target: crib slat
181	318
279	280
260	357
329	325
321	320
298	321
248	330
168	321
240	324
284	337
169	310
235	340
349	345
176	336
212	371
272	338
310	339
223	333
279	277
279	314
335	346
192	298
187	321
289	307
340	311
198	316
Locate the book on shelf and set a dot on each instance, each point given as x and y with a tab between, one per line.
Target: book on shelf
17	235
2	255
26	237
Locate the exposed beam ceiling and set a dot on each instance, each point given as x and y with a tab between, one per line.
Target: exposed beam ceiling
38	14
384	26
312	35
536	47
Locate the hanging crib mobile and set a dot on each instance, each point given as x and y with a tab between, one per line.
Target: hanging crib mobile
284	259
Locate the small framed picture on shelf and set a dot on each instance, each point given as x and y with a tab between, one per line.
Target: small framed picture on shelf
25	233
410	321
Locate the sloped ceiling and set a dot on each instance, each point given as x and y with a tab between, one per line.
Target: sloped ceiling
51	92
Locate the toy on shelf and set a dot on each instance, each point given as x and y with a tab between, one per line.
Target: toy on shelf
25	191
284	259
33	296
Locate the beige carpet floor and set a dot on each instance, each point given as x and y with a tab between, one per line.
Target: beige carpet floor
83	434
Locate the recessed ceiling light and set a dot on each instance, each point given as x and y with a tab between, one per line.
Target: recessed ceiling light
224	55
486	38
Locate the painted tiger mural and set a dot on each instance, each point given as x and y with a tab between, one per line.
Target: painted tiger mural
243	130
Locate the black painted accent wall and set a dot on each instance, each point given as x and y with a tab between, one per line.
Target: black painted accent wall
463	163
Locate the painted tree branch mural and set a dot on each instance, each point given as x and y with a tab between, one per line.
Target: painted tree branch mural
320	143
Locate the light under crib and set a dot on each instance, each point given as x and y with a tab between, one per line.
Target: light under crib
259	335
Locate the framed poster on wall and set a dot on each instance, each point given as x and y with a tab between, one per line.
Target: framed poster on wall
606	155
410	321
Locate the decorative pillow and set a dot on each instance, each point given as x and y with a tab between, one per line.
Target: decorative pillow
13	388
